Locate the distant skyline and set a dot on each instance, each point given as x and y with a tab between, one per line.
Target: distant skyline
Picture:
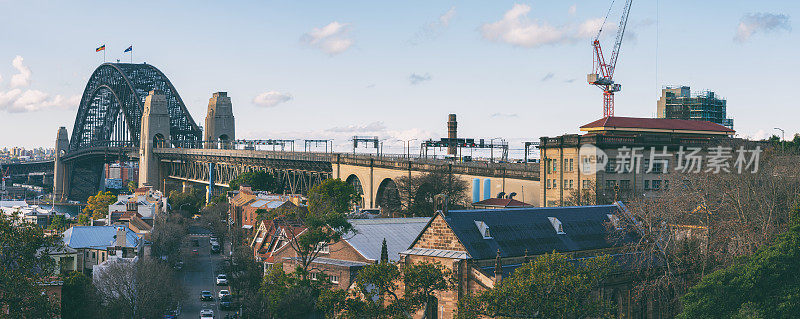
321	69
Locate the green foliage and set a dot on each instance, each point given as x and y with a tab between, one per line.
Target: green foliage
551	286
132	186
384	252
22	268
332	196
79	298
186	203
292	296
84	219
97	205
764	285
422	189
258	181
215	217
58	223
167	235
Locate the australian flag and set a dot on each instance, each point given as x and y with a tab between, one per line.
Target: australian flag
129	49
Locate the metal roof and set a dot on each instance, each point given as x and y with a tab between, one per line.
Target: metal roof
334	262
515	230
399	233
657	123
452	254
97	237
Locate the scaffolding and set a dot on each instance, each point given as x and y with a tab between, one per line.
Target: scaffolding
678	102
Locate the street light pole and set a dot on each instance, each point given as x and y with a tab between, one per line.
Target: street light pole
783	139
491	149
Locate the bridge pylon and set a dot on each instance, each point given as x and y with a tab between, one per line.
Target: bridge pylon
155	130
60	185
220	126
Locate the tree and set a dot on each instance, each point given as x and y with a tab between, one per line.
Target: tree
167	236
765	285
419	191
258	181
551	286
58	223
384	252
215	216
84	219
186	203
332	196
146	288
79	297
132	186
97	205
24	264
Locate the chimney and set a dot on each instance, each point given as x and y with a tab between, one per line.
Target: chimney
122	236
498	269
452	133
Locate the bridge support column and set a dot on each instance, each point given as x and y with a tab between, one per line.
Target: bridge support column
219	122
155	129
60	187
186	187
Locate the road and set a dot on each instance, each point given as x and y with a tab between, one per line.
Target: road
200	273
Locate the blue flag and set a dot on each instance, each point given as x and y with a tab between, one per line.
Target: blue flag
129	49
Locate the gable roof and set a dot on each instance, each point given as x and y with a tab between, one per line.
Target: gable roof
515	230
97	237
619	122
399	233
501	202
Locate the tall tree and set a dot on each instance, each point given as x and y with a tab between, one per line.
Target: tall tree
551	286
384	252
58	223
97	205
145	289
167	236
258	181
186	203
24	264
765	285
418	192
79	297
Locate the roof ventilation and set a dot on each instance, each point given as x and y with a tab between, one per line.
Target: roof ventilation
484	229
557	225
614	221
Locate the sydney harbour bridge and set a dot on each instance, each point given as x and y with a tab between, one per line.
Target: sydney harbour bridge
132	112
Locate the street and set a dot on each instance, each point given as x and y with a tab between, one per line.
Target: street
199	273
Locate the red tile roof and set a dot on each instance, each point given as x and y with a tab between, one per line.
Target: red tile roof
651	123
501	202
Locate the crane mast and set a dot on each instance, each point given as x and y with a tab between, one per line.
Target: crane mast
602	74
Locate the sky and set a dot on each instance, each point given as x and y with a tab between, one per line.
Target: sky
333	69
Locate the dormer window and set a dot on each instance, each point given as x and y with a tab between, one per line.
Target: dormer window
483	229
614	221
557	225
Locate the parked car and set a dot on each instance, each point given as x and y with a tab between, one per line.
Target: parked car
224	292
226	302
195	242
174	313
213	239
195	252
206	313
222	280
215	247
206	295
178	265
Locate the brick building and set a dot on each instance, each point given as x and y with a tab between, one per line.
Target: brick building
651	146
471	242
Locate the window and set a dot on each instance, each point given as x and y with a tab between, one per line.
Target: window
570	165
666	184
625	184
334	279
611	165
658	167
587	184
557	225
323	248
570	184
611	184
94	255
313	275
548	184
646	184
483	229
555	166
565	184
656	184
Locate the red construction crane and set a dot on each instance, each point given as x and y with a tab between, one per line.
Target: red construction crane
602	74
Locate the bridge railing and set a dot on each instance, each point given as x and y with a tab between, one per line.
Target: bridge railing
394	161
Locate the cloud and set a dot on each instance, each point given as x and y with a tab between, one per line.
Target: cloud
504	115
371	86
572	9
331	39
20	99
515	28
548	76
434	28
23	78
569	81
271	98
373	127
754	23
418	78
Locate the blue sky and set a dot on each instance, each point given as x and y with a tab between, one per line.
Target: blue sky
333	69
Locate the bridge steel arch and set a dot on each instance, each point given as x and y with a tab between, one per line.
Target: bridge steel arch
114	96
108	123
